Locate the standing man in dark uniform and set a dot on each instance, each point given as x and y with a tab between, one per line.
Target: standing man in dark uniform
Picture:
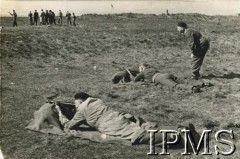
42	18
14	14
50	17
60	15
199	46
69	20
30	18
47	18
53	16
35	17
74	20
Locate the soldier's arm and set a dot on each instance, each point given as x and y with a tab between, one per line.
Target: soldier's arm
139	77
130	74
190	39
62	118
76	121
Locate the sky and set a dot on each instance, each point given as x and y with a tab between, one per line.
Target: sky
209	7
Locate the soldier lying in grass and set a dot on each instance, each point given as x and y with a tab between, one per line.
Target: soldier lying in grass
96	114
149	74
124	76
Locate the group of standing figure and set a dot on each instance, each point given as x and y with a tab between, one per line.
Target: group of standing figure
45	18
69	19
48	18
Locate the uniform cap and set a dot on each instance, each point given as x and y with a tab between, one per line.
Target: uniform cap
182	24
81	95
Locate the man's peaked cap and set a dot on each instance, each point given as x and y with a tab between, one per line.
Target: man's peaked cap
182	24
81	95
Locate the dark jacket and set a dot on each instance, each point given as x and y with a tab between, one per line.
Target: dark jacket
35	15
198	44
195	38
30	15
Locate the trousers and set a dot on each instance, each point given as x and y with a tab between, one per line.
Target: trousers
198	57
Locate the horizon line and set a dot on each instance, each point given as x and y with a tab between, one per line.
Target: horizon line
161	14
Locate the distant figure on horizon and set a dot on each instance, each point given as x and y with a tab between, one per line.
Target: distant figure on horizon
74	20
14	15
35	17
199	46
69	20
60	15
42	17
30	18
167	12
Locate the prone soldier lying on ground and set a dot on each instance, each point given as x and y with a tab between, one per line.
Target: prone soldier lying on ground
149	74
124	76
94	113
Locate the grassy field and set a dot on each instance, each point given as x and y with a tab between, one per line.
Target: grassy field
40	61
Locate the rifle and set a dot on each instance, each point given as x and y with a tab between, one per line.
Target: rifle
131	75
67	108
60	102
